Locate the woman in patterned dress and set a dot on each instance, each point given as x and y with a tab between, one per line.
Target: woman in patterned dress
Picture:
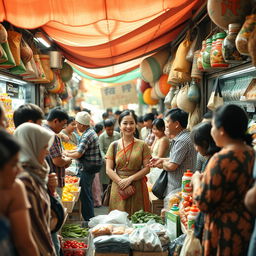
129	157
221	189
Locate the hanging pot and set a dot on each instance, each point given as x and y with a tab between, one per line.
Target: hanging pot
55	59
66	72
194	92
223	12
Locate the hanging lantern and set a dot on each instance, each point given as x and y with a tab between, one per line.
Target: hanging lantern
144	85
223	12
147	97
164	87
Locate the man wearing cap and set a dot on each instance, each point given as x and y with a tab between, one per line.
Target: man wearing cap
89	161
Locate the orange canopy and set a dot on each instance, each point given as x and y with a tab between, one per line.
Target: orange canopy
103	33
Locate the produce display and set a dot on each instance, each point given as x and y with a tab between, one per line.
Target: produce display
72	179
67	196
74	248
74	231
143	217
68	146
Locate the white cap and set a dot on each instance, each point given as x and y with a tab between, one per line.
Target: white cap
83	118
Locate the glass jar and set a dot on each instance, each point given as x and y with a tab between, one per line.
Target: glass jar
229	51
199	59
217	59
206	54
244	34
213	47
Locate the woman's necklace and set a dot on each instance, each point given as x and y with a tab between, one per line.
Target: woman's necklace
127	159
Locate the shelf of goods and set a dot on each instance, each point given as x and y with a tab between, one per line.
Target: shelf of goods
7	104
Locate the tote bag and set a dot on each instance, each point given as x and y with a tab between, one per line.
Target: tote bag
160	185
216	99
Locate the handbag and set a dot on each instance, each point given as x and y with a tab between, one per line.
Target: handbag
57	212
216	99
124	195
106	194
160	185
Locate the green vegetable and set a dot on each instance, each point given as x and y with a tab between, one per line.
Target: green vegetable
143	217
74	231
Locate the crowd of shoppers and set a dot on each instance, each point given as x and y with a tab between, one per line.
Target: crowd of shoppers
123	152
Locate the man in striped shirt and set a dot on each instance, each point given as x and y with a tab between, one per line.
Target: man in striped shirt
89	161
182	153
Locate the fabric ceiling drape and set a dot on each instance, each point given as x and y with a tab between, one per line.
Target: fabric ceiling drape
110	34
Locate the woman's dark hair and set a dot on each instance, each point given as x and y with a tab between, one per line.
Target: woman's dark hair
98	127
57	113
9	147
70	120
178	115
234	121
201	136
127	113
159	124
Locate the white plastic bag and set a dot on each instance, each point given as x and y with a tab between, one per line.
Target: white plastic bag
146	240
114	217
191	246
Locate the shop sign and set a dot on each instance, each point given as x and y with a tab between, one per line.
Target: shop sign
120	94
12	90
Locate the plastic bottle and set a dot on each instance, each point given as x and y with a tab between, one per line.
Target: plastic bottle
193	213
175	209
186	182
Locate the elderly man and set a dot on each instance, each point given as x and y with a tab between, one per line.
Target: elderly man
89	161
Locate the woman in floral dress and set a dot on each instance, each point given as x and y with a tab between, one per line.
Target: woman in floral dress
221	189
129	158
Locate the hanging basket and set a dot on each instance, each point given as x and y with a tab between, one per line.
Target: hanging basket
151	68
66	72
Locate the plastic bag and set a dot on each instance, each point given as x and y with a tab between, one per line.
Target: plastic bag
191	246
176	245
144	239
174	197
114	217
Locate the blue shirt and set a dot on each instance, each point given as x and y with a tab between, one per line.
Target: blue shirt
89	147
